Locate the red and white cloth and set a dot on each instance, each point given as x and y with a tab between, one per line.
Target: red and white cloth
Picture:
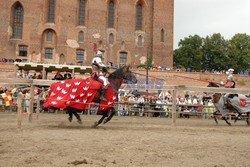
77	93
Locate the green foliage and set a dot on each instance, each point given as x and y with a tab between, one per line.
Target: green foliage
148	63
214	52
190	53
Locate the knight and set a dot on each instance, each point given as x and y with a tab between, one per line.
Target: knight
230	82
99	72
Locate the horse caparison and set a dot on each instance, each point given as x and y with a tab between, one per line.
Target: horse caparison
216	98
116	79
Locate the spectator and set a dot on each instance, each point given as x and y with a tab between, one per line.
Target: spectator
34	76
40	76
58	76
141	102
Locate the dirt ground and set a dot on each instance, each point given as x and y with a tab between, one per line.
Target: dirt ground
125	142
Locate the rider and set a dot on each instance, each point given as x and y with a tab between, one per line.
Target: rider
230	82
100	71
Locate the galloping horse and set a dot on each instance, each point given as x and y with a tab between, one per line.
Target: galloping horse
233	103
76	94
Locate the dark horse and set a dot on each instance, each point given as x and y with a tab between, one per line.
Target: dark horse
223	107
116	79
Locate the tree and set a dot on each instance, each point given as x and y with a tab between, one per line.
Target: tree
189	53
215	52
239	57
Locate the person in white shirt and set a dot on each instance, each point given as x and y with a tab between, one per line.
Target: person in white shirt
141	102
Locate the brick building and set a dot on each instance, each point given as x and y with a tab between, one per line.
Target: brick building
61	31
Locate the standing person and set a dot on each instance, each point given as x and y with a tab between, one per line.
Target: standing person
141	102
100	71
27	101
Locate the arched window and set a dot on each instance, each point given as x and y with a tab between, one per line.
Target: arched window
18	21
123	58
79	55
51	12
80	36
111	14
48	53
139	40
139	17
49	36
111	39
82	13
162	35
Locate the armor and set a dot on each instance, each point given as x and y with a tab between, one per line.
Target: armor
100	70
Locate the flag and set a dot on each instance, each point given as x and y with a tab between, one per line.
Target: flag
7	98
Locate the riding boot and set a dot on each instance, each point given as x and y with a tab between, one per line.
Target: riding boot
103	93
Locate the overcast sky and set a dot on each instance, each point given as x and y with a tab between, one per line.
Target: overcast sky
205	17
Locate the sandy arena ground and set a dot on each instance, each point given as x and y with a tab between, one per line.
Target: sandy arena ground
124	142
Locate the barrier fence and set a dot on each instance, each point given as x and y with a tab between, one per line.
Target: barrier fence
175	89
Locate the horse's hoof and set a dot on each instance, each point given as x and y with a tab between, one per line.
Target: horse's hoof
95	125
105	121
70	119
79	121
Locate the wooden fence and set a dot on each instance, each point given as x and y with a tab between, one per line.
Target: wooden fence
175	89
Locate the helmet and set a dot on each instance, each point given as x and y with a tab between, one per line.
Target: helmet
230	78
99	54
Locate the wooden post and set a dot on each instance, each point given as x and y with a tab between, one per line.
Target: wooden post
174	106
19	109
31	106
37	107
44	73
73	73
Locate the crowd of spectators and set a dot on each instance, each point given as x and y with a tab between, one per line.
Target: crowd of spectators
160	105
27	75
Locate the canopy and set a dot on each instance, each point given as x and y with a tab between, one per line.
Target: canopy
53	67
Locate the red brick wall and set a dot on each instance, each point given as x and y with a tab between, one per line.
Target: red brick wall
156	15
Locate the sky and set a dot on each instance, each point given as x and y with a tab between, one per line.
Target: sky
205	17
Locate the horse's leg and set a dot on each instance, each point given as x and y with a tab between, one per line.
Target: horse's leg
236	118
70	115
102	118
78	117
223	117
215	117
248	114
111	114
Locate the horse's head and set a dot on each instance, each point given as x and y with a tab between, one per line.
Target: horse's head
128	75
216	96
212	84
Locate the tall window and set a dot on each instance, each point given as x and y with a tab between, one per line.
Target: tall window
51	13
79	55
139	40
80	36
139	17
111	14
18	22
82	13
111	39
23	50
48	53
123	58
162	35
49	36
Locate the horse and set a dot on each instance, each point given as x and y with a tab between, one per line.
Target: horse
225	105
74	95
